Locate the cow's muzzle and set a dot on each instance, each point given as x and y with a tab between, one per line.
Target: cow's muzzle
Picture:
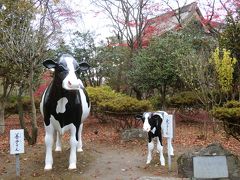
72	84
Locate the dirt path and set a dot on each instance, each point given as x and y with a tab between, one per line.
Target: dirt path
124	162
116	163
98	161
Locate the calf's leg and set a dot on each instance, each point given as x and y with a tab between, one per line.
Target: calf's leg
49	131
58	142
160	150
79	148
73	149
150	148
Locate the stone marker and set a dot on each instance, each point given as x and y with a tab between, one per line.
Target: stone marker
231	166
210	167
134	133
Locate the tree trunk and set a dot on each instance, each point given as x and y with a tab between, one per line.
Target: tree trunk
33	107
163	96
7	88
138	93
2	120
31	138
21	115
33	119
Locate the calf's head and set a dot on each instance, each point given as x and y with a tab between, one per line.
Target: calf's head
67	70
150	120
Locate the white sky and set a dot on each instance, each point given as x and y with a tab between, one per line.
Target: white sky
88	20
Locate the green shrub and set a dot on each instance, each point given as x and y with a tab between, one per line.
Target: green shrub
184	99
232	104
103	98
157	102
125	104
229	114
12	104
100	94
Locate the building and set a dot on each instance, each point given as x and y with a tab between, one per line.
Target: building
176	20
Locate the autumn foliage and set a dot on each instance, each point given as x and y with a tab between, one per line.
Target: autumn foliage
46	79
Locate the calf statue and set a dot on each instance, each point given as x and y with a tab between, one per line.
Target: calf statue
64	106
153	125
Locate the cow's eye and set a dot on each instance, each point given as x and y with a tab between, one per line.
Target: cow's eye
61	68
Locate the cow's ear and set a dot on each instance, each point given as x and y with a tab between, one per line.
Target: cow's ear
49	64
138	117
84	66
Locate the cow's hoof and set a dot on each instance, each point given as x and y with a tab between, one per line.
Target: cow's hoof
48	167
148	162
79	150
72	166
57	149
162	163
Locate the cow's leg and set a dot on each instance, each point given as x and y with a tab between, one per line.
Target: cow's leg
58	142
73	150
160	150
79	148
150	148
170	147
48	143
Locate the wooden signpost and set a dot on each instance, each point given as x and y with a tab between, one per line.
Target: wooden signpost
17	146
167	126
168	132
169	135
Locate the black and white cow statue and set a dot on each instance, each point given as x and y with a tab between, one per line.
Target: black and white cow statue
153	124
64	106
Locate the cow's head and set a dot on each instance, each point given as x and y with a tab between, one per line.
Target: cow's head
66	71
150	120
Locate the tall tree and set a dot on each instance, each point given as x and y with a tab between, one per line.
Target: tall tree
26	29
230	39
129	19
13	18
155	66
24	48
113	61
194	68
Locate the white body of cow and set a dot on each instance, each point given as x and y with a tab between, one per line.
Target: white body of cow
64	106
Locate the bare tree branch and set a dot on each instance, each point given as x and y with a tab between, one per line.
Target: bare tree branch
128	19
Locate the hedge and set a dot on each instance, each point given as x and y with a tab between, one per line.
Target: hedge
229	114
184	99
103	98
